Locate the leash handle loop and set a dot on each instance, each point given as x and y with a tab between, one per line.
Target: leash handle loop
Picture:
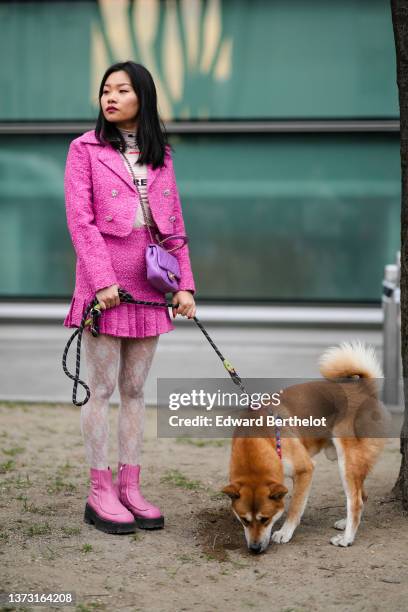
77	381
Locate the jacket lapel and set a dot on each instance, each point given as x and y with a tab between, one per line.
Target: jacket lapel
113	160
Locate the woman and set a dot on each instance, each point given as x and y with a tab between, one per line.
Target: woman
110	232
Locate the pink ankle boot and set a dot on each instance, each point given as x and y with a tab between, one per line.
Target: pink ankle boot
147	516
103	508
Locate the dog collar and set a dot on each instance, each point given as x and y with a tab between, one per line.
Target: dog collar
278	442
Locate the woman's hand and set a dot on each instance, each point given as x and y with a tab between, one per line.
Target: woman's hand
108	297
186	304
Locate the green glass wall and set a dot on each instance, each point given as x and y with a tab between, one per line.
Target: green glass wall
293	216
269	217
247	59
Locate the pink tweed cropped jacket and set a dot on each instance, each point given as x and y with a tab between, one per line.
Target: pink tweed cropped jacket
101	198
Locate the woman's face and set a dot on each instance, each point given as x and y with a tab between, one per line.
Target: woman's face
119	94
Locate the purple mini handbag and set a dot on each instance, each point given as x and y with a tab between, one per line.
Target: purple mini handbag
163	270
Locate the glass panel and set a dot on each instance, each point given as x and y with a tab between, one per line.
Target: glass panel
299	217
247	59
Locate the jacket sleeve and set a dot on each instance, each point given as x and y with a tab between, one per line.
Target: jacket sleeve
88	242
182	254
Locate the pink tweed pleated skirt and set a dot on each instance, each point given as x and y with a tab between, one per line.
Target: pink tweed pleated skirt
125	320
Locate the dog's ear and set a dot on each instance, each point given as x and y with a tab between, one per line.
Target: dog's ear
232	491
277	491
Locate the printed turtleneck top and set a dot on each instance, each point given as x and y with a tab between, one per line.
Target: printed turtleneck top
131	153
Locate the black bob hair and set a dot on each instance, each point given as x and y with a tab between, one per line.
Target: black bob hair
151	133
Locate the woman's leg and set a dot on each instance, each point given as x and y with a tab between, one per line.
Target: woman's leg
136	357
102	358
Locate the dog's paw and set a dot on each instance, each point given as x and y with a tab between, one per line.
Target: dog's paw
283	535
340	524
340	540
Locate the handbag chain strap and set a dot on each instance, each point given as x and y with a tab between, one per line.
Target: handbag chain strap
160	242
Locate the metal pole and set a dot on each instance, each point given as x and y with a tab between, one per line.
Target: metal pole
391	333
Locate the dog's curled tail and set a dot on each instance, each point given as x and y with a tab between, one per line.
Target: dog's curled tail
350	360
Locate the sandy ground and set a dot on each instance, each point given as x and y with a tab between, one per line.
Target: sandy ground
199	561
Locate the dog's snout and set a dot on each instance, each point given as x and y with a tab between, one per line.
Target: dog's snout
255	547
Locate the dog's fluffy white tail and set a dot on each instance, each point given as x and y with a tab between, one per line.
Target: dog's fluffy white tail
350	359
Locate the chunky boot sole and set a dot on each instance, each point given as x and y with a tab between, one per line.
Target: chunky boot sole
92	518
149	523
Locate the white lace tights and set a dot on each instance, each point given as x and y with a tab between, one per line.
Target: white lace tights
103	356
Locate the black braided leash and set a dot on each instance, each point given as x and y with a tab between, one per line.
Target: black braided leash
91	318
94	311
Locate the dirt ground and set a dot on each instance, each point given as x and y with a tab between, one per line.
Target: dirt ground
199	561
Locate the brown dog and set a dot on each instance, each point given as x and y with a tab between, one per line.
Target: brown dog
355	418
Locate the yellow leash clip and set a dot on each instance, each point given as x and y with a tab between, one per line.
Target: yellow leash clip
94	314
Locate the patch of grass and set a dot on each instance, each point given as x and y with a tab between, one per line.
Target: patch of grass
238	564
70	531
12	452
65	468
200	442
24	482
17	482
6	404
31	507
51	555
38	529
87	548
135	537
185	558
217	495
4	536
209	557
14	404
90	607
27	507
7	466
176	478
58	485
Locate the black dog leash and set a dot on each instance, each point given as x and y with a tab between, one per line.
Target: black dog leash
91	318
